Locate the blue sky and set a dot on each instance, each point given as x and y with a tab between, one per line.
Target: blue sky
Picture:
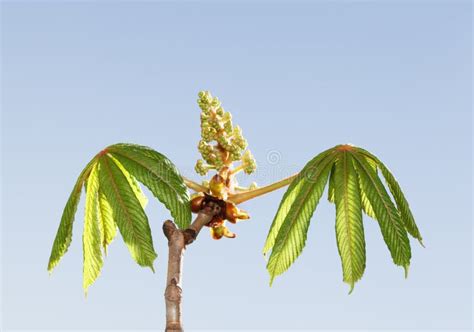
391	76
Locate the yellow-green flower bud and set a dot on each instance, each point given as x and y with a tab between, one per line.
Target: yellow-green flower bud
228	127
210	158
237	131
204	124
220	111
216	103
235	155
204	117
215	124
240	142
226	117
208	134
221	139
248	162
201	168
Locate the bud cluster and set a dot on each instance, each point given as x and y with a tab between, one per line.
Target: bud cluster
248	162
229	146
229	212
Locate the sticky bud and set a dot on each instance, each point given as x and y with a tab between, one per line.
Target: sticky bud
233	213
217	186
196	204
218	232
215	222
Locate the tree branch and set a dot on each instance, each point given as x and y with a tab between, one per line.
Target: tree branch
177	241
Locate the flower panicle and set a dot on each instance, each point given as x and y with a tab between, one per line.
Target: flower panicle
221	142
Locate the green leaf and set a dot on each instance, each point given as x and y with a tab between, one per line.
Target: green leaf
133	183
349	226
64	233
391	226
366	206
128	212
159	175
91	238
114	198
354	187
107	226
331	191
402	204
292	234
397	193
287	201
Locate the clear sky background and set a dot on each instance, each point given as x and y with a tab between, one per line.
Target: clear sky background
299	77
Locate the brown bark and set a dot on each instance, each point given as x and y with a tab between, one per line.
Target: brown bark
177	241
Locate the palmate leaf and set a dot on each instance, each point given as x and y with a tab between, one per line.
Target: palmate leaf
354	187
114	198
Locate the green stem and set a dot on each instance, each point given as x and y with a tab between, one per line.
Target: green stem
245	196
237	169
194	186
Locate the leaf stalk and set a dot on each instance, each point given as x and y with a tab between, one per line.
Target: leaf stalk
250	194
